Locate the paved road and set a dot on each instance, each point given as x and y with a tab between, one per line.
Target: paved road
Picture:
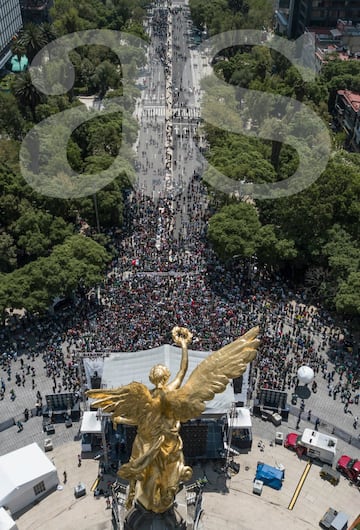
230	504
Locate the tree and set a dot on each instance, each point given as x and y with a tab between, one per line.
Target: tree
234	231
307	217
104	77
7	252
5	295
274	251
27	95
342	253
33	39
347	299
12	124
347	303
70	21
34	286
37	232
18	49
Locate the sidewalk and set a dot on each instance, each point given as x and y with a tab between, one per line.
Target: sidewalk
61	510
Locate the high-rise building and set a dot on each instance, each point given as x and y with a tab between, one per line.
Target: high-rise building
36	11
10	24
301	14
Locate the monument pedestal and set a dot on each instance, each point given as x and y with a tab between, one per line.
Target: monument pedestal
138	518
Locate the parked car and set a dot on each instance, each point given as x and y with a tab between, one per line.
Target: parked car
330	474
350	467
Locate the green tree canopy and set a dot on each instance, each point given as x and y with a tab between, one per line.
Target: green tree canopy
33	287
234	231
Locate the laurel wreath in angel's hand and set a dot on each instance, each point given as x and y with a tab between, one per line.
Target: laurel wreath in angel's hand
129	403
181	336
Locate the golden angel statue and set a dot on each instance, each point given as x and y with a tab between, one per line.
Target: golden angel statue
156	466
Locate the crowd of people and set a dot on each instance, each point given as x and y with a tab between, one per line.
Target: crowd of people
166	274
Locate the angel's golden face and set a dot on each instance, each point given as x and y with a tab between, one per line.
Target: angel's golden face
159	375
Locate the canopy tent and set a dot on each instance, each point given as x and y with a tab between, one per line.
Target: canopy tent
91	430
6	521
270	476
27	475
91	423
122	368
241	419
19	65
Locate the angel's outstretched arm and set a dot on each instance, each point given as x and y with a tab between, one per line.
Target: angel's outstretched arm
182	337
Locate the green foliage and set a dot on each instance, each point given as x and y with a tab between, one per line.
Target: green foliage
77	15
337	74
234	231
347	299
33	287
222	15
37	231
32	39
40	257
241	158
273	251
7	252
12	123
105	76
26	94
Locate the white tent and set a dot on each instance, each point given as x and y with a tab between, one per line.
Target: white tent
91	423
27	475
241	419
6	521
123	368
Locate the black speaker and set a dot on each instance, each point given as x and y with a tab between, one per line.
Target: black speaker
95	381
238	384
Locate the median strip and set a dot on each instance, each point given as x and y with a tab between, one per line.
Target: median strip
299	486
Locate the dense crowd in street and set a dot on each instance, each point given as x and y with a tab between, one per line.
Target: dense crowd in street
165	274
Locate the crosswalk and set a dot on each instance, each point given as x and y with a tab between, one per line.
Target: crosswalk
181	114
151	110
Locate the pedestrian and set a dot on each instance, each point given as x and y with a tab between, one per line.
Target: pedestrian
309	416
79	460
65	477
297	424
317	423
108	503
20	426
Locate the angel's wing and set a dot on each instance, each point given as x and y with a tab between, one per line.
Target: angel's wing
126	403
212	375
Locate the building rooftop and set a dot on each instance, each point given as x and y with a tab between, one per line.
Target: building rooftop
352	98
